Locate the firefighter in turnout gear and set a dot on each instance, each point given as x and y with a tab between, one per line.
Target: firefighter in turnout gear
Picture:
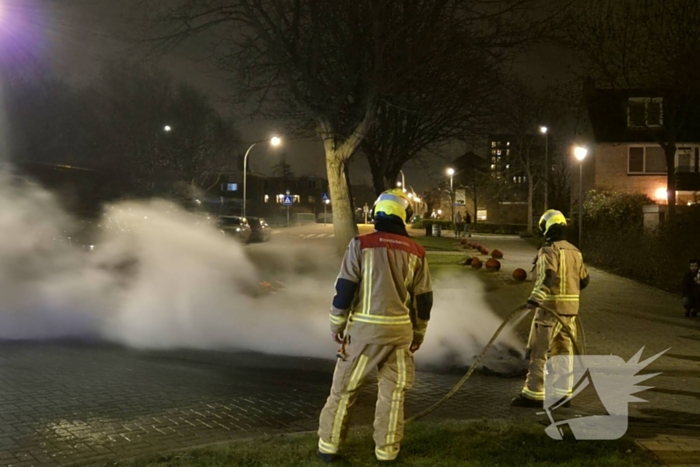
560	276
379	316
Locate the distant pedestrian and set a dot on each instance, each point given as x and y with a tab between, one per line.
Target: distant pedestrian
468	225
459	225
691	289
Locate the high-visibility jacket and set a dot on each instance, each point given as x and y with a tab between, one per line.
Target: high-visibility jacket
561	275
384	291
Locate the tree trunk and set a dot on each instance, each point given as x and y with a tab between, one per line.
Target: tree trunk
343	218
670	152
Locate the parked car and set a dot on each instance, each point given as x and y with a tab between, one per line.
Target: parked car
235	226
260	231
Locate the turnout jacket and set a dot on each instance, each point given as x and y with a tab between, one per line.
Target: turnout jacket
384	291
561	275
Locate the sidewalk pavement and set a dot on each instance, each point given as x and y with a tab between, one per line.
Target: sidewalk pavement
621	317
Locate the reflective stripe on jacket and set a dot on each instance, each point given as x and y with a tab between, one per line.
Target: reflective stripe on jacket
560	276
390	272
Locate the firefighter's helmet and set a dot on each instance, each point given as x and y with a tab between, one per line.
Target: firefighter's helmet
393	203
550	218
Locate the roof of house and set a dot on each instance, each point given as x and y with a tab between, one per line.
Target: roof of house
607	113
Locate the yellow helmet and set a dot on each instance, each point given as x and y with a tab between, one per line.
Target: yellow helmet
550	218
394	203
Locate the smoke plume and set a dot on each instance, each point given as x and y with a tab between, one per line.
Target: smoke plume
149	275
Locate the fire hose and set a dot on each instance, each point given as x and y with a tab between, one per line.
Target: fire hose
579	349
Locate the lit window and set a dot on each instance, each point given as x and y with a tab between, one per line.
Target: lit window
493	166
493	144
267	198
498	152
481	214
507	152
507	166
493	159
312	200
508	143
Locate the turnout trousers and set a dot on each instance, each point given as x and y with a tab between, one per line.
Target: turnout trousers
395	375
548	335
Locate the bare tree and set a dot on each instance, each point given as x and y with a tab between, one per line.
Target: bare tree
327	67
455	98
649	45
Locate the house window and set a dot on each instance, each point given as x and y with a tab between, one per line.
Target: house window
481	214
646	160
685	159
312	184
644	112
267	198
493	144
312	199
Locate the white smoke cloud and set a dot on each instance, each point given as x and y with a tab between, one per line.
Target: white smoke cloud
162	278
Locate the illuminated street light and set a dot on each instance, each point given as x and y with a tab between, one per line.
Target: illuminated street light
544	130
580	153
451	173
274	141
167	128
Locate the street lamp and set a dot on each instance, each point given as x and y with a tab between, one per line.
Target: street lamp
451	173
403	180
580	153
167	128
274	141
544	130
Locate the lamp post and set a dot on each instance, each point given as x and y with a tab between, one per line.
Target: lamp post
580	153
544	130
451	173
403	180
274	141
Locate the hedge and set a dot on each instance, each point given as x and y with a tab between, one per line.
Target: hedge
614	239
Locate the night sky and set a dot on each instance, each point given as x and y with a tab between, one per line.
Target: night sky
79	34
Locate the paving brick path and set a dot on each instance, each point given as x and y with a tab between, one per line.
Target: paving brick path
83	403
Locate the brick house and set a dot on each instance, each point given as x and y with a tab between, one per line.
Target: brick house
624	154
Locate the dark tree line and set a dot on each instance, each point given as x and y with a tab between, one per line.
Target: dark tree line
115	126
